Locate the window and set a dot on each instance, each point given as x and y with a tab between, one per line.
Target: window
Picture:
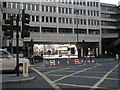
97	4
33	18
84	21
70	19
84	3
37	18
37	7
70	10
42	8
9	4
46	8
51	19
66	10
18	5
63	20
50	9
59	20
47	19
88	22
62	10
59	9
84	12
88	4
29	7
91	4
24	6
4	4
54	9
67	20
4	15
14	5
54	19
42	18
33	7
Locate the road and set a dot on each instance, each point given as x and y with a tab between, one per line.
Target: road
100	75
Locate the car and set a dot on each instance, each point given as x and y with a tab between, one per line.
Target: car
8	62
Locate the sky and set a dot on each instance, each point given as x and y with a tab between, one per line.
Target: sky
110	1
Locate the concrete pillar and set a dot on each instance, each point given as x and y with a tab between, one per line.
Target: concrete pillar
100	49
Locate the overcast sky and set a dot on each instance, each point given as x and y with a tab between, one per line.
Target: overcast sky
110	1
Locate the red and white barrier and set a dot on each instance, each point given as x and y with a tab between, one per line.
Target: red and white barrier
52	62
77	61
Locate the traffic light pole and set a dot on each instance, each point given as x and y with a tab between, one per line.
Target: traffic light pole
17	44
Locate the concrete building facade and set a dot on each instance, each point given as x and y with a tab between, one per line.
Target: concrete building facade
58	21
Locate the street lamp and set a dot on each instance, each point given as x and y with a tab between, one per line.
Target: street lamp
77	43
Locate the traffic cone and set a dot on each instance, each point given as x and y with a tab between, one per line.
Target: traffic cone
59	62
46	63
68	62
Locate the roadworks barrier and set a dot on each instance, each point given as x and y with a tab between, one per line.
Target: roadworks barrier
85	60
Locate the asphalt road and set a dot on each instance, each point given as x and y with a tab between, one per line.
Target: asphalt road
104	74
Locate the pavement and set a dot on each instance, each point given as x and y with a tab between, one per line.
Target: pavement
11	77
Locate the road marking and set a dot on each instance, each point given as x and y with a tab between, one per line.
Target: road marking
61	69
73	85
47	79
83	76
103	78
75	73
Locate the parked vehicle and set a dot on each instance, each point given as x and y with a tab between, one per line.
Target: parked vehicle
8	62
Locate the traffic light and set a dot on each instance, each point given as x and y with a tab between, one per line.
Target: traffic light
8	29
25	28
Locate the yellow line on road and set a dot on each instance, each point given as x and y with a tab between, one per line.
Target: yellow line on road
73	85
75	73
47	79
103	78
84	76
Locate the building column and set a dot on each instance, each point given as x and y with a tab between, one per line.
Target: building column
100	49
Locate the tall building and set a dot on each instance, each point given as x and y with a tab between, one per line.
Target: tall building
66	22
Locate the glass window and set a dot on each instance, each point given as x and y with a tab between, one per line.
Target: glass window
84	21
42	18
46	8
14	5
47	19
70	10
84	12
18	5
37	18
88	4
9	4
88	22
24	6
59	9
59	20
33	7
84	3
67	10
4	4
29	7
97	4
91	4
67	20
37	7
63	20
33	18
4	15
50	19
70	19
42	8
62	10
50	8
54	19
54	9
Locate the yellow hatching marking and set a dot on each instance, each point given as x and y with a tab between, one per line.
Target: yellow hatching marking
103	78
47	79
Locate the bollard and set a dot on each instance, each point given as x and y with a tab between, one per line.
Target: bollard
25	69
117	56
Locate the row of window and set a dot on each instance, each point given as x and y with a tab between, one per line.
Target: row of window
60	20
80	2
49	8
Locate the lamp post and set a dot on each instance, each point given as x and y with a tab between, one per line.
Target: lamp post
77	43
